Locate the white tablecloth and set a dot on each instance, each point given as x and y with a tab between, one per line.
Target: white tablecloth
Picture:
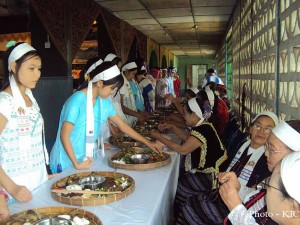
151	203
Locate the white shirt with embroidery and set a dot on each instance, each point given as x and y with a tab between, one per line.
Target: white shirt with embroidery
128	101
24	168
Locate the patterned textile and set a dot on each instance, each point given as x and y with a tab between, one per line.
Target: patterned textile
254	211
205	208
161	91
148	94
128	101
138	98
22	166
203	165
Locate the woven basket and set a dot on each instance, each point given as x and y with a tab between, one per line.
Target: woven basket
148	166
22	217
93	200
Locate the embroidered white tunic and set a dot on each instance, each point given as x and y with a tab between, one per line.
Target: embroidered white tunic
24	168
128	101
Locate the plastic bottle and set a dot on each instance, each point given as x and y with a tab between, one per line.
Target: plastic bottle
59	169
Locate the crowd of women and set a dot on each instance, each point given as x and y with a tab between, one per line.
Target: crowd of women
256	186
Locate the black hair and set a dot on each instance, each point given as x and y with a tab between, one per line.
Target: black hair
19	62
117	81
190	93
200	103
116	60
129	61
210	70
295	124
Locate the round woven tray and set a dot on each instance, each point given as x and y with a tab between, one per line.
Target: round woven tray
22	217
148	166
92	201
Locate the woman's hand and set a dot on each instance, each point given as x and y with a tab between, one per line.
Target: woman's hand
164	126
223	177
21	193
230	194
155	146
155	134
170	97
4	212
84	165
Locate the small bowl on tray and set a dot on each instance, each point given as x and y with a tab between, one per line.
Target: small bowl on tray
91	182
139	158
53	221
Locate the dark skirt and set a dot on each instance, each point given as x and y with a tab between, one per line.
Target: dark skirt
190	184
206	208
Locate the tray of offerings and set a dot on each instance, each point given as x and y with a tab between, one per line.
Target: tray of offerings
92	188
124	140
52	215
133	158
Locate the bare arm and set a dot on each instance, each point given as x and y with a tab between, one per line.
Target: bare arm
180	133
4	212
189	146
130	112
65	133
133	134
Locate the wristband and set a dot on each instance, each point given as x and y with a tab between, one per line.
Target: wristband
4	193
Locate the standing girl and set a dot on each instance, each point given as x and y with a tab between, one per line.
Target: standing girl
83	116
22	148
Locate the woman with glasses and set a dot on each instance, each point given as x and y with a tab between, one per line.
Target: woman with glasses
249	166
283	141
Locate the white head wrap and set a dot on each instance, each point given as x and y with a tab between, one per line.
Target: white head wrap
92	67
18	52
129	66
23	118
290	167
110	57
210	95
194	106
194	89
90	143
269	114
287	135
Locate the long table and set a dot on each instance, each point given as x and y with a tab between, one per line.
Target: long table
151	203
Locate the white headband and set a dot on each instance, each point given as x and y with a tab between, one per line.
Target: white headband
110	57
194	89
210	96
269	114
290	167
129	66
195	107
287	135
107	74
18	52
92	67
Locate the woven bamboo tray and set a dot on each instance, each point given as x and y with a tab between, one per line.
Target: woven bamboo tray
22	217
92	201
148	166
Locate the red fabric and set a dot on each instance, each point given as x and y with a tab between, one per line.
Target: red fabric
176	84
250	203
223	115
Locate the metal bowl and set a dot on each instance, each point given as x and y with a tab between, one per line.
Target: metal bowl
139	158
53	221
91	182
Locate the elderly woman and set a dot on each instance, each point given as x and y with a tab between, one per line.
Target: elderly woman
212	210
203	150
249	165
283	141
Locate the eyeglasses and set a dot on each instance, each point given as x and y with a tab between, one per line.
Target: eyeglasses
265	185
267	130
270	150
